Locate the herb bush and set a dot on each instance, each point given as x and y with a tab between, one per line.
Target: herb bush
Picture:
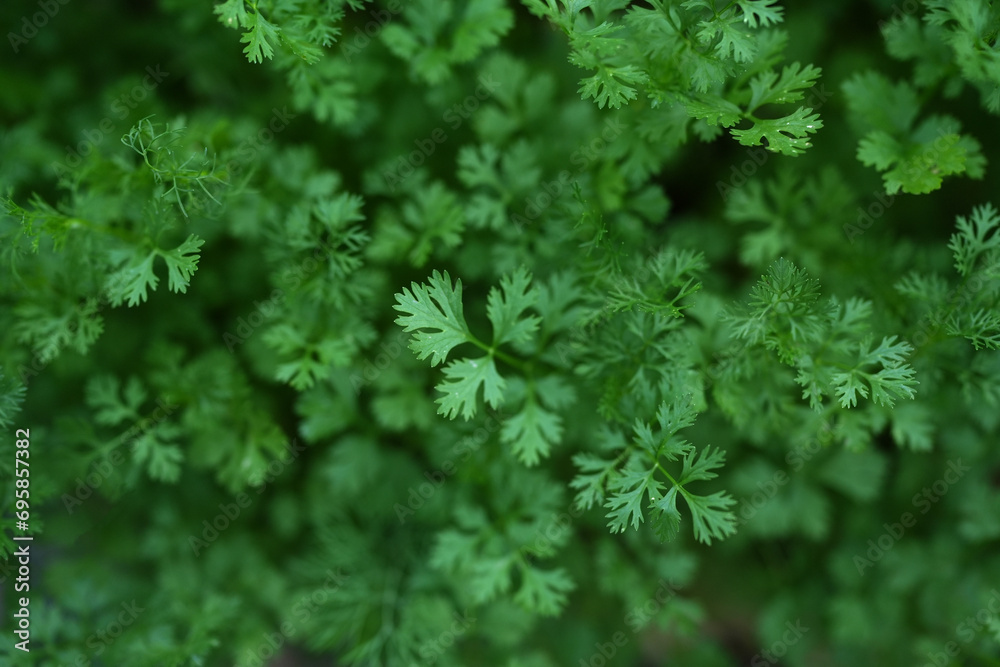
551	333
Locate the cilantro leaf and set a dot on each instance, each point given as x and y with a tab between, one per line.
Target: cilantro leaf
52	327
258	38
876	103
543	591
613	86
769	88
761	12
464	377
182	262
11	398
232	13
312	360
111	409
438	308
981	327
592	478
627	489
153	449
787	135
783	310
976	236
713	109
131	282
505	307
894	380
531	432
626	494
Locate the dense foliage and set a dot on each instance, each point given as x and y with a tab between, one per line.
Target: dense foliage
483	332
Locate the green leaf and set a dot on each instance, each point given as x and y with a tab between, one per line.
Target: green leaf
711	515
916	162
51	328
761	12
131	282
483	24
506	306
783	311
768	88
153	449
613	86
921	168
858	475
713	109
712	518
111	409
627	492
894	380
879	149
699	468
848	386
875	103
592	480
11	397
981	327
490	577
532	432
543	591
460	389
182	262
311	360
439	308
258	38
976	235
477	165
892	383
735	41
232	13
788	135
666	518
